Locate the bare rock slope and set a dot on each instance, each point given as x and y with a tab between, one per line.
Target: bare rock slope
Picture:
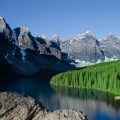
14	106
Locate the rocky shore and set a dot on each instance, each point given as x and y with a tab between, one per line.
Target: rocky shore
14	106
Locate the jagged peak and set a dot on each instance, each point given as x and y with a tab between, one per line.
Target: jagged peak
43	36
2	22
89	32
55	36
1	18
110	33
23	30
84	35
110	36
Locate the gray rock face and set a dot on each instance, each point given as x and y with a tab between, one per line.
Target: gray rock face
26	54
23	38
12	54
14	106
5	30
56	39
84	47
110	45
6	40
48	47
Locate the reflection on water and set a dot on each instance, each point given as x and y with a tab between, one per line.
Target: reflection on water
88	94
97	105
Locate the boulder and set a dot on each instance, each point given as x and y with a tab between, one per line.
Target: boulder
14	106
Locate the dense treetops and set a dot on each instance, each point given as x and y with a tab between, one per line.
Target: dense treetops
103	76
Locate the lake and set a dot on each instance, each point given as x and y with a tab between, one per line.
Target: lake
97	105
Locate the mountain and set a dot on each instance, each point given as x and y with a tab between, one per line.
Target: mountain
24	54
110	45
84	47
56	39
5	40
48	47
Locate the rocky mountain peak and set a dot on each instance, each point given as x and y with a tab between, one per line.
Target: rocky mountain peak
23	30
5	30
23	38
43	36
86	37
88	32
84	47
55	36
110	45
110	37
2	23
56	39
110	33
24	54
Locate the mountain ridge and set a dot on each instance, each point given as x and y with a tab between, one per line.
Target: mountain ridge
27	54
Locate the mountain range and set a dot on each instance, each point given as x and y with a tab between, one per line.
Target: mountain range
87	48
25	54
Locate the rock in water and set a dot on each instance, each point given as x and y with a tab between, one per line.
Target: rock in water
66	115
14	106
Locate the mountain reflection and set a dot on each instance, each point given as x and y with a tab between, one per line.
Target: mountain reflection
96	104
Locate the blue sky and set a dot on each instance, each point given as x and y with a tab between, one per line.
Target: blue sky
63	17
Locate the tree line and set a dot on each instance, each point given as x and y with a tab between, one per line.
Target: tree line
103	76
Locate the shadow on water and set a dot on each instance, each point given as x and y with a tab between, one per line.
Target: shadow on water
27	86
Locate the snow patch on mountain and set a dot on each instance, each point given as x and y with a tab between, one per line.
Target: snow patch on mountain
15	37
23	54
110	59
110	33
6	56
83	63
12	63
